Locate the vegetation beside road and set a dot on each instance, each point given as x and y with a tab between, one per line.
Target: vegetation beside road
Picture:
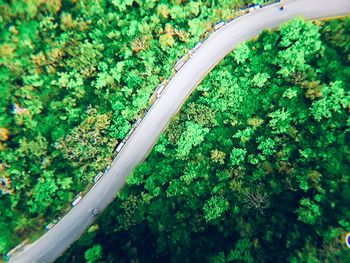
74	75
255	167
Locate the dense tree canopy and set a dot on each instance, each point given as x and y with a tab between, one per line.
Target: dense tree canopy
74	75
255	167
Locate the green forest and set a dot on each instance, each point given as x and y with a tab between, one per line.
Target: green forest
74	76
254	168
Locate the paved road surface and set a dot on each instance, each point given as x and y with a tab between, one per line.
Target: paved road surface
57	240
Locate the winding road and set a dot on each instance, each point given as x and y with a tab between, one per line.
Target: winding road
220	43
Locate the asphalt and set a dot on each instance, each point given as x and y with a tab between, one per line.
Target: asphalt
54	242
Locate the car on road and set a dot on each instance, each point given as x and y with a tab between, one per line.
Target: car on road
107	168
95	212
98	176
160	89
128	135
181	61
219	25
52	223
119	147
49	226
254	7
137	123
195	48
77	200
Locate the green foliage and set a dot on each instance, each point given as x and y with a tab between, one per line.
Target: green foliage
309	211
193	135
237	156
215	207
265	178
93	254
241	53
78	74
334	100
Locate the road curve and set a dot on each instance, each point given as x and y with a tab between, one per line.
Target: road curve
53	243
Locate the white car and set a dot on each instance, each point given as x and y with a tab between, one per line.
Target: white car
98	176
159	89
77	200
219	25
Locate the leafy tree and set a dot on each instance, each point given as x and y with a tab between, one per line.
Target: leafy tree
215	207
93	254
237	156
193	136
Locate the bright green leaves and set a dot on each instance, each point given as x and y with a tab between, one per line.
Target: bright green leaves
299	40
280	121
196	27
175	188
241	53
93	254
235	143
298	32
244	135
202	114
163	11
215	207
290	93
103	78
237	156
122	5
65	183
309	211
63	79
116	71
33	80
177	13
260	79
193	136
334	100
86	57
302	180
266	146
76	85
312	180
43	194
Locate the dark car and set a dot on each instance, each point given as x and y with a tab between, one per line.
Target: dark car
96	211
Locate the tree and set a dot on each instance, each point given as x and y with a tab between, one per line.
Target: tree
193	136
286	170
93	254
241	53
4	134
280	120
215	207
237	156
43	194
334	100
218	156
309	211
